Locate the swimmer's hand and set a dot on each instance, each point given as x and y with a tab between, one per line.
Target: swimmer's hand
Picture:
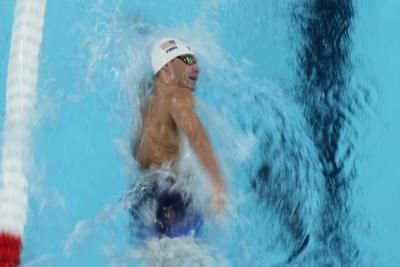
219	200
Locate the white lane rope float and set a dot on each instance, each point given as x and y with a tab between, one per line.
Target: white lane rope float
16	153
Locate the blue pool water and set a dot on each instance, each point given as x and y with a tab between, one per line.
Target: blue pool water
298	97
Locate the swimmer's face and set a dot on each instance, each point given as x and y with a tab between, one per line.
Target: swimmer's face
185	71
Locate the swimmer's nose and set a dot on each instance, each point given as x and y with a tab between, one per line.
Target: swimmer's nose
195	68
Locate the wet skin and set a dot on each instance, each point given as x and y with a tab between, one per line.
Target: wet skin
169	112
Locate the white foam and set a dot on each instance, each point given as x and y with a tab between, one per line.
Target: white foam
182	251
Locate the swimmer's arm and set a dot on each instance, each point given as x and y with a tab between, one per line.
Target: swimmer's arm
143	87
135	148
140	151
182	112
138	138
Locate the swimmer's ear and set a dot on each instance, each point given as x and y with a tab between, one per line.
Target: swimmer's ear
167	67
168	70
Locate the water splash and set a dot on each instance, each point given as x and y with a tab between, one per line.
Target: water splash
183	251
262	139
279	177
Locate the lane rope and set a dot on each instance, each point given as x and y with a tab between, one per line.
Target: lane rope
16	152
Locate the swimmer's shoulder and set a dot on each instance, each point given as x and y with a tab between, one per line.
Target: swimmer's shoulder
181	98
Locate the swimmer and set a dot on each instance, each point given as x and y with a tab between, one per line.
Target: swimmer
169	112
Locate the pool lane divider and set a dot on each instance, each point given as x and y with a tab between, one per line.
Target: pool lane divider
19	118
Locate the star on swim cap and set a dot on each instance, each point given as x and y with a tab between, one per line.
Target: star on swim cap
166	50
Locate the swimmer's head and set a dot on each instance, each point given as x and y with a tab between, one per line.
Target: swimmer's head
177	59
166	50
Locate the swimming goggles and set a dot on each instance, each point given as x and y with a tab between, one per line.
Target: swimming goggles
188	59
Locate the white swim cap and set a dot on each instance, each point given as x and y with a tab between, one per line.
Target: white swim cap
166	50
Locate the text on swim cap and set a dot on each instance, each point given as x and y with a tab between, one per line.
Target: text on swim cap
170	49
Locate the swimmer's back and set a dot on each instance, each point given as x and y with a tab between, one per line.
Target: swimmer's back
159	137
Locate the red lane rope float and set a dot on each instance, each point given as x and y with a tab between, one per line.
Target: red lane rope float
10	249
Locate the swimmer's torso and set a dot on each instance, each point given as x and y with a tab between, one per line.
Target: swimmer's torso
159	135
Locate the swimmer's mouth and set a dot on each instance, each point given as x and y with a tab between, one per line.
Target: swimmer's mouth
193	78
